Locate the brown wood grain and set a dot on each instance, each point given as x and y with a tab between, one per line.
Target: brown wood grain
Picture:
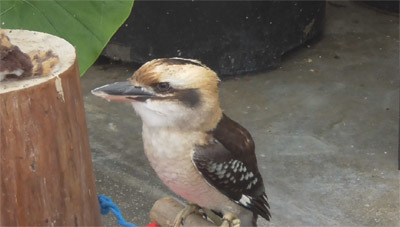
166	209
46	172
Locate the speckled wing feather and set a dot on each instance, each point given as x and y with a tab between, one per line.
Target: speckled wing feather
228	163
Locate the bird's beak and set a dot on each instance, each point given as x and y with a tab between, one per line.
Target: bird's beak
122	92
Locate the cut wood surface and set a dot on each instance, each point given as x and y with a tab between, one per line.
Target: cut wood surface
45	161
166	209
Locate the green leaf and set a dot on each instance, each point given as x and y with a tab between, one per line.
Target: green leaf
87	25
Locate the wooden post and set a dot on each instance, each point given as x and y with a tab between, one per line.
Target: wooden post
166	209
46	172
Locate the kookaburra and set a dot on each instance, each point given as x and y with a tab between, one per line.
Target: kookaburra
195	149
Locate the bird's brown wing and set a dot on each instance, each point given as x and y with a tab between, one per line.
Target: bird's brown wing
228	163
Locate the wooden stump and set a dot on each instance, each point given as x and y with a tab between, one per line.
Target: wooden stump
45	161
166	209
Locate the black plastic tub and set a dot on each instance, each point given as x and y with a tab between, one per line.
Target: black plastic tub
230	37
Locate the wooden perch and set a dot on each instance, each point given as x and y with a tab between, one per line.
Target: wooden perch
166	209
46	172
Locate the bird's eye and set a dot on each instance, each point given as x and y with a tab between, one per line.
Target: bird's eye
163	87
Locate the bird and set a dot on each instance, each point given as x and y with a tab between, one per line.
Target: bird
195	149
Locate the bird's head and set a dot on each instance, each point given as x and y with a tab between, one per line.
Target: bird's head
170	92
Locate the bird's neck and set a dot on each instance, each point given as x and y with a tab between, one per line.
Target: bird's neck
169	143
199	122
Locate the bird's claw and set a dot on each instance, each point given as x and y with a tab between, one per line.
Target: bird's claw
185	212
230	220
209	214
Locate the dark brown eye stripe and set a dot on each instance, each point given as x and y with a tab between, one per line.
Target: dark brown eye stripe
189	97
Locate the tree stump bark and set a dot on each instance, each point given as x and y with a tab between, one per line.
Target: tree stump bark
166	209
46	168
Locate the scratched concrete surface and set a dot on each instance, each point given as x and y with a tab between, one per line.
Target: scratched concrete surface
325	125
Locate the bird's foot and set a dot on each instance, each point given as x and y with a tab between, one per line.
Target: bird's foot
185	212
230	220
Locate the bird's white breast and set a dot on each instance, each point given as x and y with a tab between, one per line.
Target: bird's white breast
169	153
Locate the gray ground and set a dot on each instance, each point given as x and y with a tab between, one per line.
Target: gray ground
325	125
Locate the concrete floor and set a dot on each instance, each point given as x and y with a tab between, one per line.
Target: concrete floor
325	126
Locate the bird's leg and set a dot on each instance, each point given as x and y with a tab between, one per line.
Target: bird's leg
189	209
230	220
212	216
